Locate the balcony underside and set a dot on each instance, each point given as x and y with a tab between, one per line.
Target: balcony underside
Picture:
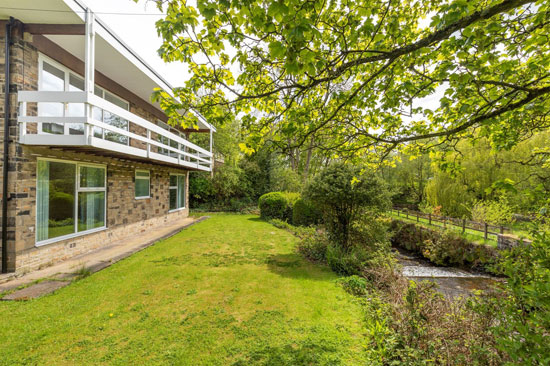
109	149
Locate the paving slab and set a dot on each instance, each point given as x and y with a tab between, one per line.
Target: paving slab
93	261
36	290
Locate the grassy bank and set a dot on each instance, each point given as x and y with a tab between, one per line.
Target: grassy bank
471	235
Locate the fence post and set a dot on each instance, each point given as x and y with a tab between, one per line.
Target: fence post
407	213
430	218
485	230
444	221
501	229
463	225
397	212
417	218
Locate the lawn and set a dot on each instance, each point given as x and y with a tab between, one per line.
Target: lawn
227	291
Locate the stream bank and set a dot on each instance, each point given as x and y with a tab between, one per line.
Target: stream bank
452	282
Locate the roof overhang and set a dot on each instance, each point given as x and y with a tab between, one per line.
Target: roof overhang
114	58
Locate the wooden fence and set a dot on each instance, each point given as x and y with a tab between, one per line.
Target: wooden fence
444	221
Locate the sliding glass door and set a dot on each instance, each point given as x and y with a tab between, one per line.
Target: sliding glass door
55	209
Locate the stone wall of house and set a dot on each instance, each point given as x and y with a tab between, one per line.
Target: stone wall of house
23	76
125	214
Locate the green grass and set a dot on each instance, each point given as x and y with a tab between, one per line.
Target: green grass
472	235
227	291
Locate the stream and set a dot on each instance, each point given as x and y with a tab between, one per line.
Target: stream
452	282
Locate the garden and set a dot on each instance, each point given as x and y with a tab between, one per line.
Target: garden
335	120
335	115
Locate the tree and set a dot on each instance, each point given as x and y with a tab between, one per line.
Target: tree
358	74
475	171
344	193
407	178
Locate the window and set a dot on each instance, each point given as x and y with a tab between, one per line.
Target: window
110	118
143	183
70	199
56	77
52	79
177	191
166	141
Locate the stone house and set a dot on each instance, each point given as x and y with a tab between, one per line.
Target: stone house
87	157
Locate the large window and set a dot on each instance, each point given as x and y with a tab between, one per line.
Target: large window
143	184
70	199
56	77
177	191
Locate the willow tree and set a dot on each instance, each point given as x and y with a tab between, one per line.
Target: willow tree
357	75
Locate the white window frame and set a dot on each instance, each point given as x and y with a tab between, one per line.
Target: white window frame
148	184
162	139
170	187
76	233
67	72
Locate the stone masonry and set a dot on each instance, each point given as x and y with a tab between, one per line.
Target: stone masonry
509	241
125	214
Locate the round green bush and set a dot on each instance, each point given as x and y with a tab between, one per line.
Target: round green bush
277	205
304	213
63	204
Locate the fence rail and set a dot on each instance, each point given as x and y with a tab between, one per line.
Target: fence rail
464	224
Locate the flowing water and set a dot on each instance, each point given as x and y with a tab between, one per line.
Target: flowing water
452	282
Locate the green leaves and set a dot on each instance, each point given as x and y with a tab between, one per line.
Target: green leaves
367	76
276	50
277	10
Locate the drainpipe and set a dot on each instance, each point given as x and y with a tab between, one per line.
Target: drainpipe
7	107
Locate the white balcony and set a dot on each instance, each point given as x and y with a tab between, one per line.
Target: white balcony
83	128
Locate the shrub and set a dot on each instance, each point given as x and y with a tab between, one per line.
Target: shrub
225	183
523	327
343	193
304	213
313	246
354	285
493	212
371	231
200	189
442	248
277	205
347	262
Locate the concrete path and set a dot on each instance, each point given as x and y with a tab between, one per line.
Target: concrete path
44	281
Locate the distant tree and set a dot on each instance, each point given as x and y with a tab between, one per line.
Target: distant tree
407	178
474	170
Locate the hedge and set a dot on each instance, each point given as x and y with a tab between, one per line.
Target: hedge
277	205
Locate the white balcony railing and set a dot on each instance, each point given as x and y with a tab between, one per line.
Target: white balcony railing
84	126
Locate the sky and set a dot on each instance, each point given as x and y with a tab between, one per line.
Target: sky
139	32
